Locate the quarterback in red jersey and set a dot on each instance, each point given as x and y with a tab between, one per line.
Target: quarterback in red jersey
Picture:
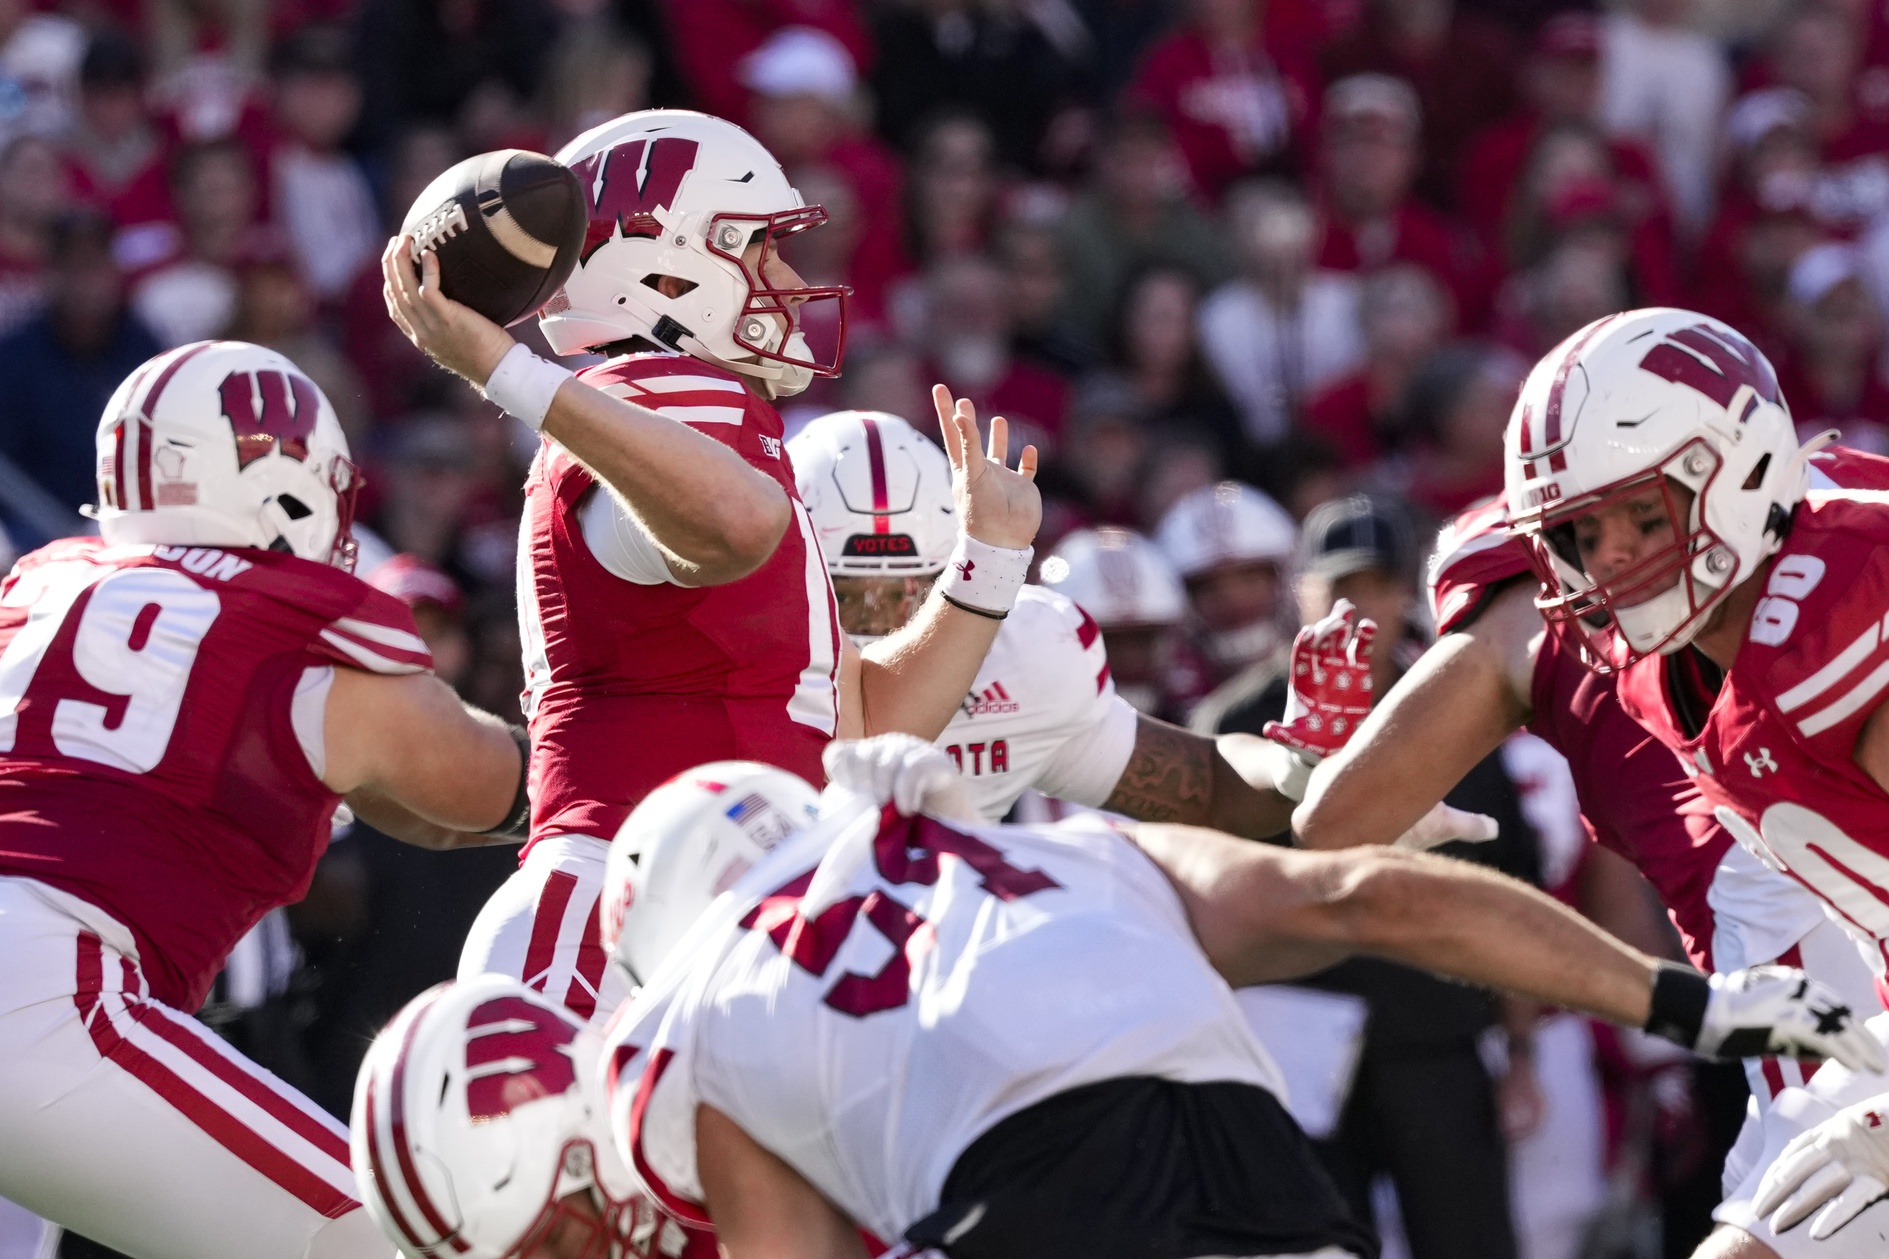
1654	472
184	703
673	604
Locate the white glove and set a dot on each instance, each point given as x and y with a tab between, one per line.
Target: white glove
1779	1010
903	771
1444	825
1843	1161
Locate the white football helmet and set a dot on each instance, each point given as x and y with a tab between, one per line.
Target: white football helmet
684	845
677	193
475	1117
1228	523
1651	399
223	443
879	494
1116	576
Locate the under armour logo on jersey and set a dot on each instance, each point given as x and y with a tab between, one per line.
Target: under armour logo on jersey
516	1052
1760	763
964	568
269	411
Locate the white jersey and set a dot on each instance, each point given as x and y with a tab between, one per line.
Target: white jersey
1043	712
880	991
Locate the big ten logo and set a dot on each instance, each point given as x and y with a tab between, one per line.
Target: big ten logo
1793	577
995	754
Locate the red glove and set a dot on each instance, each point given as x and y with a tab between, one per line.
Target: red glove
1330	685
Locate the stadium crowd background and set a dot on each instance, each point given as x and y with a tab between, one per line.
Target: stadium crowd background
1309	244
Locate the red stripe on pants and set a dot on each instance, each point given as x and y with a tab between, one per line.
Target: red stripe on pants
581	998
546	922
218	1124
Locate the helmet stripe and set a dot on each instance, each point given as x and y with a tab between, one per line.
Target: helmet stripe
118	466
403	1155
1557	391
875	457
145	498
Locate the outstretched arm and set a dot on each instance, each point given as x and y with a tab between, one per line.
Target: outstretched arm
762	1208
1456	705
1175	775
912	681
416	762
715	518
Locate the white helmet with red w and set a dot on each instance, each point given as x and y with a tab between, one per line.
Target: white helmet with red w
680	194
1663	401
474	1122
686	844
223	443
879	494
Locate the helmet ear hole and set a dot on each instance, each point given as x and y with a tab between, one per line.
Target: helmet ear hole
1758	470
293	507
670	286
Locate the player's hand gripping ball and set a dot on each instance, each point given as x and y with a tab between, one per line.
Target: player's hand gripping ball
507	226
1330	683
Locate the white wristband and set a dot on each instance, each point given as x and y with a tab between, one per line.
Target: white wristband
984	578
523	385
1291	772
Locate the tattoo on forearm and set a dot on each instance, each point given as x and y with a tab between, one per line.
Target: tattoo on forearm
1169	776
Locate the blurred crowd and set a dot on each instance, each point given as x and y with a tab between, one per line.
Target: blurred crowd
1269	253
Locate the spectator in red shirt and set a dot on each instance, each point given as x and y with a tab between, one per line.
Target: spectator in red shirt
1816	50
189	293
1233	98
1405	316
1582	278
1570	185
33	194
710	38
1560	85
117	155
1765	216
1369	160
1462	66
804	107
1833	373
967	340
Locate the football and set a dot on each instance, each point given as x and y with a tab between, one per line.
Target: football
508	227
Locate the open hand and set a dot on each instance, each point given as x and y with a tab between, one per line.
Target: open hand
455	336
1330	683
998	506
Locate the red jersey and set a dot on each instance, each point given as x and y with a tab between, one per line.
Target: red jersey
1775	744
1634	796
627	685
149	762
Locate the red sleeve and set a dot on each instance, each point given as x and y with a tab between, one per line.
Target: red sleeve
1474	554
377	635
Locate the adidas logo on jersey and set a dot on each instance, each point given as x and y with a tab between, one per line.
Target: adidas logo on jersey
990	702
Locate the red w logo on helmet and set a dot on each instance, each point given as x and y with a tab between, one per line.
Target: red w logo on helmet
630	187
269	410
1720	362
515	1054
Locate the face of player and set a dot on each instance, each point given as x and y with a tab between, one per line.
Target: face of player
872	607
1234	596
1629	531
1138	661
573	1230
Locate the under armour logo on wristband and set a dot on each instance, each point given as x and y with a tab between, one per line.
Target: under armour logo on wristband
964	569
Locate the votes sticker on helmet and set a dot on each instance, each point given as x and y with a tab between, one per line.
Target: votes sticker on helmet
876	545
